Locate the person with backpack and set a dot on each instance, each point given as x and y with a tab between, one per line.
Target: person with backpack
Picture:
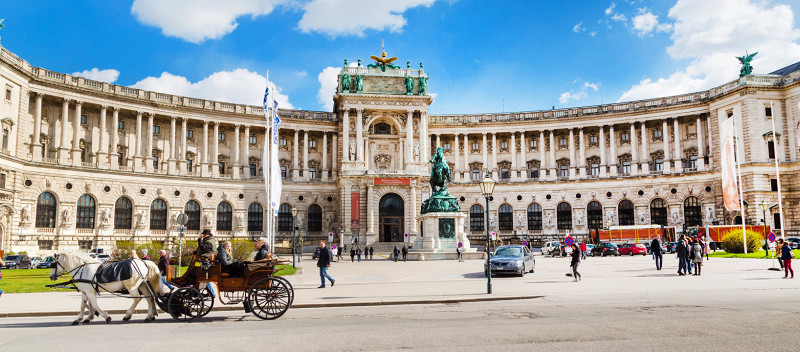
696	256
405	253
786	256
352	254
358	254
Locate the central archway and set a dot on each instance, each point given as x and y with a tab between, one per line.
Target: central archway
390	218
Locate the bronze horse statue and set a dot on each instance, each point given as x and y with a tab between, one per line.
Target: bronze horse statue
440	173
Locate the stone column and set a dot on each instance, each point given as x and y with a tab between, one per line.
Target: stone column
645	157
346	135
215	151
542	157
553	171
701	150
237	167
456	153
335	156
184	164
137	144
413	208
76	142
171	162
523	150
438	140
370	209
485	156
324	156
148	155
581	153
423	137
63	148
36	145
634	151
246	153
513	155
678	152
102	150
113	154
306	175
665	139
710	144
572	163
465	177
295	156
409	137
494	156
614	158
204	158
603	161
360	135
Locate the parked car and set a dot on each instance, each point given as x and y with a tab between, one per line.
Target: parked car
548	247
633	248
34	263
103	257
45	263
17	261
794	242
650	250
514	259
589	248
671	247
604	249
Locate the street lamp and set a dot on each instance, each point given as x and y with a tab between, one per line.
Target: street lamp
764	207
294	239
487	187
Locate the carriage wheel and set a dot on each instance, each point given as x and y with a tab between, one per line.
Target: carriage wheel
269	298
208	301
186	304
289	285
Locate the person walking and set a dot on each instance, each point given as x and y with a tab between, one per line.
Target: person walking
339	253
396	253
324	262
786	255
460	253
576	260
779	251
405	253
371	251
697	257
683	256
583	250
352	254
703	245
358	254
655	248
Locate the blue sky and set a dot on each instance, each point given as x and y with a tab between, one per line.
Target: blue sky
482	56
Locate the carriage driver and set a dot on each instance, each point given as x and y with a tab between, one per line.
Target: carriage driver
207	245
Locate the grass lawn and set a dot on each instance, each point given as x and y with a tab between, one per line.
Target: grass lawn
760	254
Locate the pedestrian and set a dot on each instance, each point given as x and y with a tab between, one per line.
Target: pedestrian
396	253
324	262
689	264
576	260
683	256
583	250
655	248
371	250
339	253
144	254
787	255
460	253
163	263
703	245
779	251
133	254
697	257
352	254
405	253
358	254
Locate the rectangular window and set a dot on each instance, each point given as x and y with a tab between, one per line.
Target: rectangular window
625	137
155	162
121	158
253	140
190	134
2	180
777	218
83	155
156	129
221	137
253	169
562	142
626	167
283	142
657	133
85	245
447	146
594	169
121	125
283	171
504	174
476	146
5	139
659	164
476	174
8	93
503	144
563	171
189	164
773	184
221	167
593	139
534	173
692	162
45	245
312	143
771	150
83	119
532	143
312	173
767	111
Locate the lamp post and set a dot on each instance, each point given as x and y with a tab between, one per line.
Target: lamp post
764	207
294	239
487	187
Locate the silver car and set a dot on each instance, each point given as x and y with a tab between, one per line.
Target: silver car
515	259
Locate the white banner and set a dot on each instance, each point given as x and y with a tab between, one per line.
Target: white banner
730	188
275	169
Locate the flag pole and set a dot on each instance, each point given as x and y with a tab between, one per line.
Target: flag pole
741	193
265	163
777	172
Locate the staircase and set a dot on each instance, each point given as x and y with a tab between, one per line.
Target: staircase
380	247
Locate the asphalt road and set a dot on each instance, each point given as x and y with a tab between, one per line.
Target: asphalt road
714	320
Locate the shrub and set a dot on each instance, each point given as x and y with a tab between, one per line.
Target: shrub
242	249
732	241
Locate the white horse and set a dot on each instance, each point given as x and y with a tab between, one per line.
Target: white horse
83	272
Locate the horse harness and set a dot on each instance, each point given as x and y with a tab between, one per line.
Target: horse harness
93	282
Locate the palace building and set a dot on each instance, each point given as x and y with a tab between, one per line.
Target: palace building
85	164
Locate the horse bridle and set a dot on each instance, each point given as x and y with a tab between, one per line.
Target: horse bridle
64	270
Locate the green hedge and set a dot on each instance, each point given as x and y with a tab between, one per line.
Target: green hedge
732	241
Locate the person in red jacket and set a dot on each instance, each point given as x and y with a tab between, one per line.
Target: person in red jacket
583	250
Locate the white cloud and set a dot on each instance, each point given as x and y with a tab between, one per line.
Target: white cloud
578	27
610	9
239	86
302	74
587	85
353	17
711	32
567	96
327	86
645	23
619	17
108	75
198	20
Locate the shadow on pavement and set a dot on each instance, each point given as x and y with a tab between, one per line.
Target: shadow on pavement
68	323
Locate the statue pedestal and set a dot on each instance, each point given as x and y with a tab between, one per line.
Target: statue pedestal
441	233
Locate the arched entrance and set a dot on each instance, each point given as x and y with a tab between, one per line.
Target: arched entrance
390	218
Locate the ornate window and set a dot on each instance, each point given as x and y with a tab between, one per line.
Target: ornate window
692	215
594	215
255	217
535	217
224	216
123	214
86	211
625	164
382	128
533	169
506	216
562	142
564	216
625	213
658	212
625	137
192	209
285	217
593	140
657	160
504	145
657	134
314	218
158	215
46	210
563	167
476	146
533	144
691	158
476	220
593	166
505	168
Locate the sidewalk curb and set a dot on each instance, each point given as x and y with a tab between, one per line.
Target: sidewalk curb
295	306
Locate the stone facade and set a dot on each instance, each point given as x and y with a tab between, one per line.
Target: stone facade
76	151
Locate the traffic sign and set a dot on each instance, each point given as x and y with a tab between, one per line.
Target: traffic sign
183	218
568	241
525	243
405	237
333	247
494	236
460	245
771	237
567	233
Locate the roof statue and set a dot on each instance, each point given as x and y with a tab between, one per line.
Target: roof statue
745	61
383	62
1	23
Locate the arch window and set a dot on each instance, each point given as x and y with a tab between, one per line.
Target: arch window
46	210
255	217
314	218
158	215
192	209
564	216
594	215
123	214
658	212
691	212
382	128
476	221
506	217
224	216
86	211
285	217
625	212
534	217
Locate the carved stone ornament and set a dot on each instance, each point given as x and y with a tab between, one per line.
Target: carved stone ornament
383	160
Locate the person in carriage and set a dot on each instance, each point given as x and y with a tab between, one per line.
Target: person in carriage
207	245
229	266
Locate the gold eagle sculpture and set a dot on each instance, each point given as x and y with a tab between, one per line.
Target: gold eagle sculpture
383	60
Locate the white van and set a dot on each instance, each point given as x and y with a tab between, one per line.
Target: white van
549	247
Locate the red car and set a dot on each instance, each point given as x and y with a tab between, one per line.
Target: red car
633	248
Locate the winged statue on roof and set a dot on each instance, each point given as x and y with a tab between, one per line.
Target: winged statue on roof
745	61
383	62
